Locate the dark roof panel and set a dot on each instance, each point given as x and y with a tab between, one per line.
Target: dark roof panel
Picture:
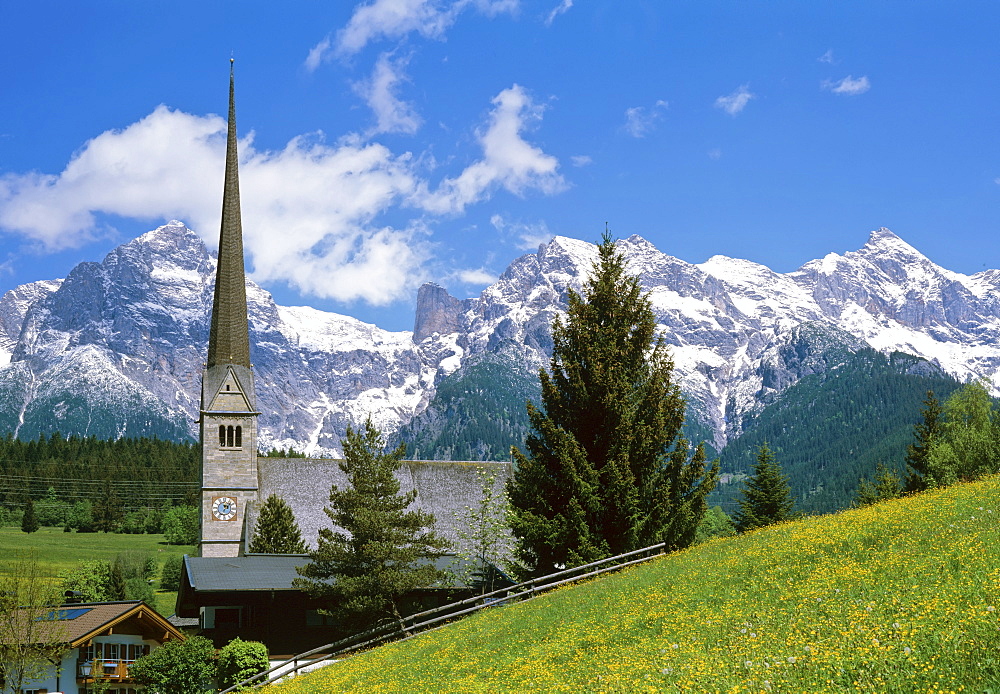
253	572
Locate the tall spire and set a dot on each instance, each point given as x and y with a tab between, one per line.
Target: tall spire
229	339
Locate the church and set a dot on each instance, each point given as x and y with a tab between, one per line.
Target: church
230	591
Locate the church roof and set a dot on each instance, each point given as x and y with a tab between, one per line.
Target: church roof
229	339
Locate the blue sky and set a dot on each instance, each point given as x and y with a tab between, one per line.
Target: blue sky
392	142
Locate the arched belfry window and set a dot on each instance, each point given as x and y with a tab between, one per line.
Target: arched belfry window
229	436
222	435
239	437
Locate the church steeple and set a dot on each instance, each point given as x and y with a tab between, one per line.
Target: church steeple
229	481
229	340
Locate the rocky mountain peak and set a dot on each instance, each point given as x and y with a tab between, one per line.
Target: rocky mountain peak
738	332
437	312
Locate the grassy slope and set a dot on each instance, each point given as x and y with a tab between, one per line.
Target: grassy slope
58	551
899	597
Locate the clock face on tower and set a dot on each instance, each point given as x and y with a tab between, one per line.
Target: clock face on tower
224	508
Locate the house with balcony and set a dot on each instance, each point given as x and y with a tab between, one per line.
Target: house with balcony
102	639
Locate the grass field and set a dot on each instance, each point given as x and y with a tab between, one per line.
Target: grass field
57	550
901	597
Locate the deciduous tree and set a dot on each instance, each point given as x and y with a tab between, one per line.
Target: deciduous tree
31	635
378	551
968	446
485	543
606	469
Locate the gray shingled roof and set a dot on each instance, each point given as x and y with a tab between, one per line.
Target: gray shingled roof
252	572
444	488
261	572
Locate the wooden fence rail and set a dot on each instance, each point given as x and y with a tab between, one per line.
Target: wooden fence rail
405	628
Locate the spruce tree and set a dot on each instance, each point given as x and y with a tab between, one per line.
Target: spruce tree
276	531
29	521
925	434
117	589
767	496
379	551
606	468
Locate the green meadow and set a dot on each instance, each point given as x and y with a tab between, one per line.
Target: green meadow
900	597
57	550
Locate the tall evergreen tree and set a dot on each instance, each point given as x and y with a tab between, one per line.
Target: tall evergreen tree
925	433
276	531
380	551
767	497
117	589
29	521
606	468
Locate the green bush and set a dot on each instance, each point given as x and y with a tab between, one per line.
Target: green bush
239	660
177	667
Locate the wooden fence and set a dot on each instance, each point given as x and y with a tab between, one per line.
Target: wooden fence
428	620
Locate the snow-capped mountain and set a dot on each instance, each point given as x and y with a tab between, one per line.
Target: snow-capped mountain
729	321
116	348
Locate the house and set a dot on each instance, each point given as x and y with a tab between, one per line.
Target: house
252	596
101	639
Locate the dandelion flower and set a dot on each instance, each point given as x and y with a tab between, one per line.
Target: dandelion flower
791	659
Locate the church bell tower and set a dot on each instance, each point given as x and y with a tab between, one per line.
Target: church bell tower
228	400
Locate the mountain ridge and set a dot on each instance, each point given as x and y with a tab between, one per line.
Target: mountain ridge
142	313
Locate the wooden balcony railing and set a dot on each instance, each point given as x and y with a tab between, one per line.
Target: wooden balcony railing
114	670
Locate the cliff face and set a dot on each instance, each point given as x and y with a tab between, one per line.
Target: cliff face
437	312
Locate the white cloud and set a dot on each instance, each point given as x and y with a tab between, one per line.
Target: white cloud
581	160
827	57
559	9
735	102
529	236
640	121
997	181
715	153
317	54
394	19
848	86
476	276
392	115
307	209
310	210
508	160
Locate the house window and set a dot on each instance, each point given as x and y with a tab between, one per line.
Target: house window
222	435
239	437
221	617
